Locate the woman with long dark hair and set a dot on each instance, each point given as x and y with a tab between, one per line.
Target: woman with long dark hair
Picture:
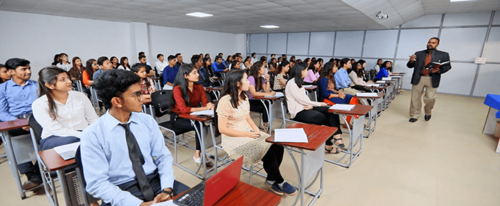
114	62
64	62
147	84
4	74
357	75
384	71
75	73
124	63
259	86
326	84
312	72
207	64
57	59
187	95
282	76
88	73
248	63
273	66
302	109
61	112
242	137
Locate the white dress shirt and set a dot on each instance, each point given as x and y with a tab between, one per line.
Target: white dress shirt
296	98
75	115
66	67
160	66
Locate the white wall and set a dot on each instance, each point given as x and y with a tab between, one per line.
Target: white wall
38	37
462	36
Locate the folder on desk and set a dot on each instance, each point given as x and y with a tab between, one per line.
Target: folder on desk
208	112
345	107
278	94
67	151
290	135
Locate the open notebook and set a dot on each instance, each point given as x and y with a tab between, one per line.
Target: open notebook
67	151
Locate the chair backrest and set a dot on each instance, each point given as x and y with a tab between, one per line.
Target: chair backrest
319	97
36	131
216	120
161	102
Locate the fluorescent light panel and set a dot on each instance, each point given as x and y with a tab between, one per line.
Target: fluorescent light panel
270	26
461	0
199	14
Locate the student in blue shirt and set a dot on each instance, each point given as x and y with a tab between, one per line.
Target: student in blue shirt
384	71
343	81
219	65
170	71
104	65
16	97
124	157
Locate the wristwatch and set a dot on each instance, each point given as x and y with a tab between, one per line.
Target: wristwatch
171	193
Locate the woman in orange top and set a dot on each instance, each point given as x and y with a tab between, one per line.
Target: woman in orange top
88	73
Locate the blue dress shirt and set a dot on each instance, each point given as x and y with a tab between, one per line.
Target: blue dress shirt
342	79
106	161
219	67
169	74
325	93
97	74
204	77
382	73
16	100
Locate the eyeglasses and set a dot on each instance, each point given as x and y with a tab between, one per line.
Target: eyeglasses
137	94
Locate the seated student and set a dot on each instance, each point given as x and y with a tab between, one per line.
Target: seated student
160	65
187	96
229	60
178	57
57	59
75	73
202	71
149	71
312	73
236	64
219	65
273	66
343	82
4	74
64	62
282	77
248	63
124	158
259	87
114	62
88	73
16	97
357	75
104	65
384	71
302	109
61	112
124	63
147	85
241	137
170	72
326	86
378	65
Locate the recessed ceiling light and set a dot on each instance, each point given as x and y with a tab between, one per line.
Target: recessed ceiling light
270	26
461	0
199	14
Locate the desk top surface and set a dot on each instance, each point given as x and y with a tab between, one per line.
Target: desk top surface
14	124
380	87
316	134
266	98
380	95
213	88
195	117
54	161
493	100
357	110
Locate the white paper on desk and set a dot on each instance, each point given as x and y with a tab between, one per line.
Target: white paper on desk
373	85
290	135
167	87
166	203
367	94
307	86
67	148
380	82
208	112
278	94
345	107
386	78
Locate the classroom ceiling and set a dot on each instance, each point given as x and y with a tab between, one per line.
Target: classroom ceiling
246	16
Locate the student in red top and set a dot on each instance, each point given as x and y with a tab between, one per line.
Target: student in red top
187	97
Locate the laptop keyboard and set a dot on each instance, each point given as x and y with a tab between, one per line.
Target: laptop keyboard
193	199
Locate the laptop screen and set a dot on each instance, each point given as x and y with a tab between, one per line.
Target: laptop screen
222	182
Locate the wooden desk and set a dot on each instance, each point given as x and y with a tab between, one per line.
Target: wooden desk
54	162
312	162
269	108
200	131
374	113
355	133
11	153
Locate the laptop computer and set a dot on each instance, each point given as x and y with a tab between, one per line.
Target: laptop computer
209	191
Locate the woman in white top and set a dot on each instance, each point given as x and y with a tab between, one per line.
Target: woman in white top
357	75
124	64
302	109
64	64
61	112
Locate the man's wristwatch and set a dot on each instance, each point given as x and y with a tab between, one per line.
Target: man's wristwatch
171	193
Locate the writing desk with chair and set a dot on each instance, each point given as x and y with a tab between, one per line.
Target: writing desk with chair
373	113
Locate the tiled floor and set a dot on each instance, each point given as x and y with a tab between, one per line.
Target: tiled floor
446	161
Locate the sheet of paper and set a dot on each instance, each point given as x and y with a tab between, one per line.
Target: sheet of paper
290	135
167	87
278	94
67	147
345	107
367	94
373	85
166	203
380	82
204	112
307	86
386	78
